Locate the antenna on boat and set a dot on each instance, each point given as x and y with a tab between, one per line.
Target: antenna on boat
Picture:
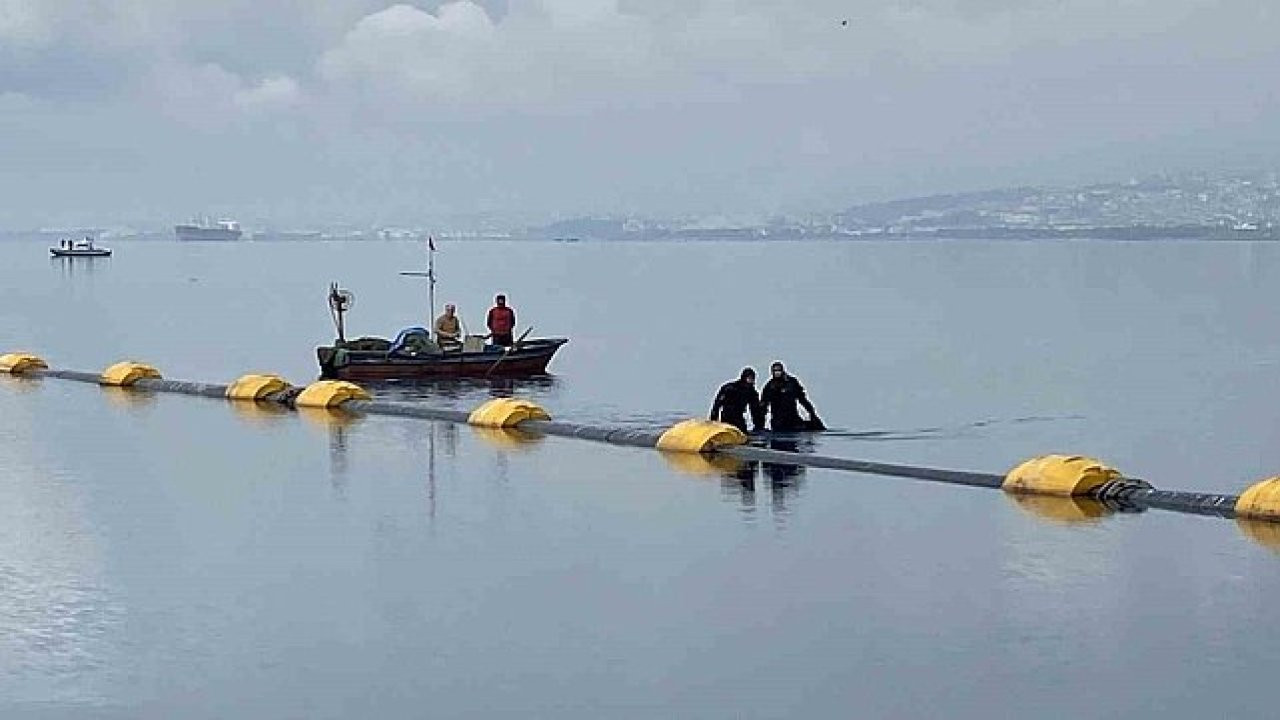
340	301
430	275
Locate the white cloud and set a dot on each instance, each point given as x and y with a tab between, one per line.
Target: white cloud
583	105
457	56
579	54
406	51
552	54
271	93
209	96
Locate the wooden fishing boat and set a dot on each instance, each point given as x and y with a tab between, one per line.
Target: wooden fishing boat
414	355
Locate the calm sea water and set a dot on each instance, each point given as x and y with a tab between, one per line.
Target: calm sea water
165	556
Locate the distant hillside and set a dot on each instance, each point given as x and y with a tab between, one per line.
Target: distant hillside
1161	207
882	213
590	228
1237	204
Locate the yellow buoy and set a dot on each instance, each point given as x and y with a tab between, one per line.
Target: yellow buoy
124	374
700	436
256	387
330	393
1062	475
505	413
18	363
1260	502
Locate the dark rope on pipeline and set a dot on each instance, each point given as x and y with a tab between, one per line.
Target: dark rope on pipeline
1132	494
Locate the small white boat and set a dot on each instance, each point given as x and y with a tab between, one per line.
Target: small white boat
79	248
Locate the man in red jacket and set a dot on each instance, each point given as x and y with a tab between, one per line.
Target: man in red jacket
502	322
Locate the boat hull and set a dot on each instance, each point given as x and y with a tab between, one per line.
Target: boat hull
96	252
530	360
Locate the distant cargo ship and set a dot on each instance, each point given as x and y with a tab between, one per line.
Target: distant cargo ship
205	230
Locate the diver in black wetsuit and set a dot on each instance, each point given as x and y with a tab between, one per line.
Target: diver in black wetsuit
780	396
735	398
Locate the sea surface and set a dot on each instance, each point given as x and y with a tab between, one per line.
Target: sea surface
169	556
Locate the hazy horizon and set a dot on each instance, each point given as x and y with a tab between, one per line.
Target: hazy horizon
146	112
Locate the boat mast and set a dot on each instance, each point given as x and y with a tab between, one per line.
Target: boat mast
430	275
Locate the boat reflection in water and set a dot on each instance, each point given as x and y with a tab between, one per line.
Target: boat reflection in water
464	393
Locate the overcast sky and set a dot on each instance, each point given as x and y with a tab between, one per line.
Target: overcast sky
305	112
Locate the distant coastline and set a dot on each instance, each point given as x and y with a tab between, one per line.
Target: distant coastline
1101	234
1191	207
